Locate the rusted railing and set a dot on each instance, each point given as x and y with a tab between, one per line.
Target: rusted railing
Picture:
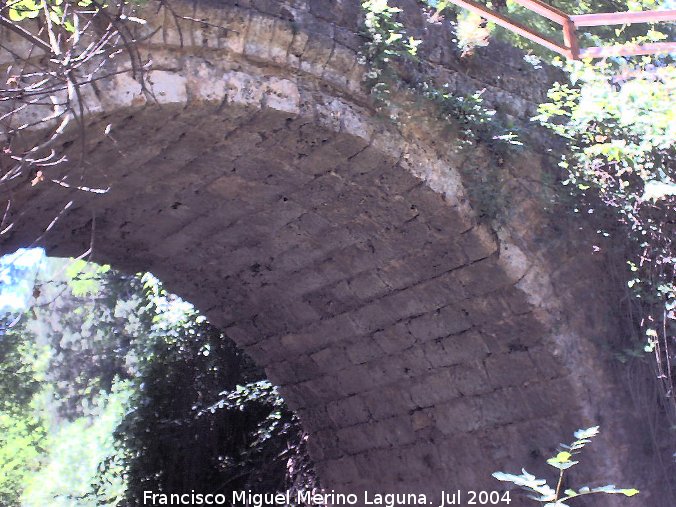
570	47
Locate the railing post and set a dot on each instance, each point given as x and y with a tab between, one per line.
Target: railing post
570	39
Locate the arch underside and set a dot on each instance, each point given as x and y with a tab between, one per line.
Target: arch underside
338	253
381	310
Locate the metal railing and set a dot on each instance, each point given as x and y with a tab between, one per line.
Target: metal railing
570	23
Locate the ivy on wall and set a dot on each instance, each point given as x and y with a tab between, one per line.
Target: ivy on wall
618	119
388	49
620	124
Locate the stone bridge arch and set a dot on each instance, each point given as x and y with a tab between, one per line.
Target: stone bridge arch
421	347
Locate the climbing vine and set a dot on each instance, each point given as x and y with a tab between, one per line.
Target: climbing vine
618	118
388	49
386	45
619	121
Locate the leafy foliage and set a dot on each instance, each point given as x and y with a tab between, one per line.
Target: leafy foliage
88	343
55	11
200	406
387	34
21	431
132	387
387	44
471	30
540	491
21	437
72	453
619	120
63	385
476	122
389	50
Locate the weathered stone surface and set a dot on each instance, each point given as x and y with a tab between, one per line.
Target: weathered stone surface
423	349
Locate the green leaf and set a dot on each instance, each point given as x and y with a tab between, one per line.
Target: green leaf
562	466
562	457
586	433
55	17
393	37
530	482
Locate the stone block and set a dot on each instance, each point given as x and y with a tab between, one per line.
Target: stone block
514	333
398	274
414	362
388	401
517	300
506	406
312	417
410	302
339	65
398	430
439	323
242	334
376	315
360	438
439	261
281	41
363	350
394	338
283	372
548	398
469	379
483	277
485	309
326	443
461	415
319	389
549	363
422	419
348	411
331	359
258	37
367	286
316	54
433	389
353	380
478	243
455	349
512	369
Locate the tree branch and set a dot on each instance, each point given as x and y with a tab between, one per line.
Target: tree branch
8	23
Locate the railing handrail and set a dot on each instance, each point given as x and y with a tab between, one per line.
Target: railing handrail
622	18
545	10
570	23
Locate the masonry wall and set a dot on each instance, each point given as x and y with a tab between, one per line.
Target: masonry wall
423	344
